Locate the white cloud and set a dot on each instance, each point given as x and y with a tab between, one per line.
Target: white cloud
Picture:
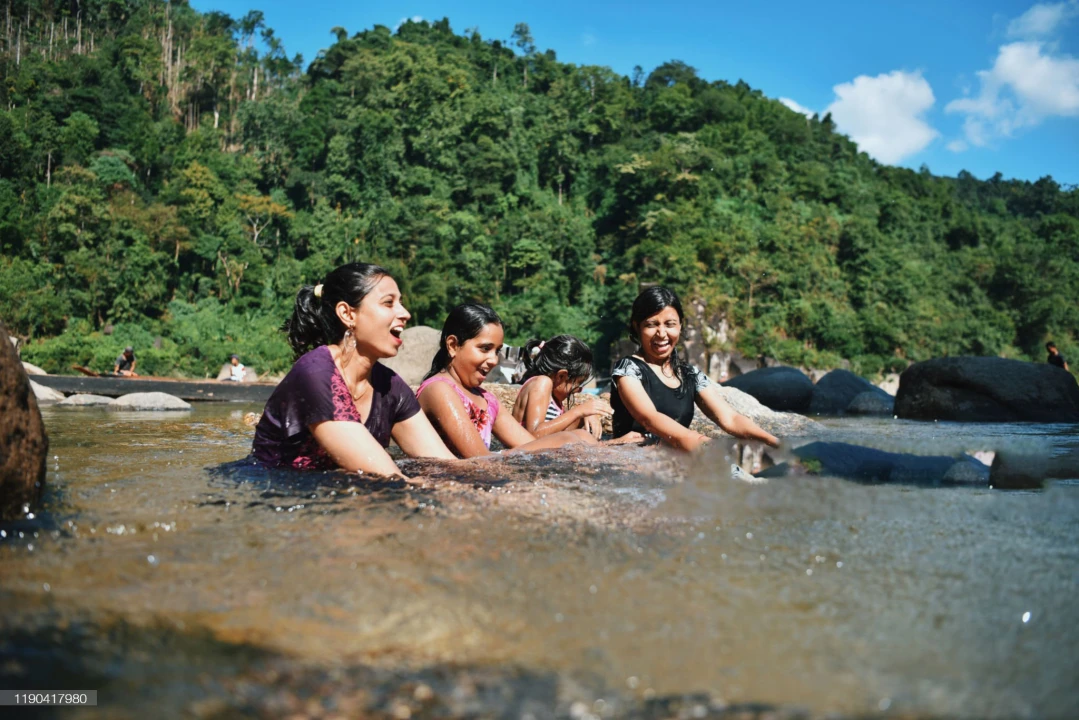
1026	84
957	146
884	114
1042	19
796	107
402	21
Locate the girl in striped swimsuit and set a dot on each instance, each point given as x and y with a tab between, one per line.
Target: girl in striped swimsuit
554	370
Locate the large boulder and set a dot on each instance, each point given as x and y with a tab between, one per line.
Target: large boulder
1013	470
414	358
987	389
32	369
46	395
869	465
24	445
84	400
890	384
834	392
785	389
148	401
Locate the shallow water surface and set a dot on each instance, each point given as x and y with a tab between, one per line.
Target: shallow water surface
603	582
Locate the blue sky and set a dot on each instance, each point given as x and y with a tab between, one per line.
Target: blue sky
985	86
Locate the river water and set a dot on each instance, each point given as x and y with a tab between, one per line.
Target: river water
610	582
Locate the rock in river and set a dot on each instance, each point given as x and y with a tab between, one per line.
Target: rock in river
148	401
987	389
85	400
46	395
24	446
834	392
785	389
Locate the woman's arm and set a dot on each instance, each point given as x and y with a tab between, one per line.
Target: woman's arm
715	407
418	438
353	448
536	400
446	412
515	437
643	410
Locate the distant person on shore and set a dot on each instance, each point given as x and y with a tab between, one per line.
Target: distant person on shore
125	364
1055	358
655	393
238	372
554	370
465	415
338	406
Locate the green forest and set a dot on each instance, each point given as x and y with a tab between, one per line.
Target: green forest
169	179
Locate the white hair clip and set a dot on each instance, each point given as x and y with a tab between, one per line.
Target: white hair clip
318	290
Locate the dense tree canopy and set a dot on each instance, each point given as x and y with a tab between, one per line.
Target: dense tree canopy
169	178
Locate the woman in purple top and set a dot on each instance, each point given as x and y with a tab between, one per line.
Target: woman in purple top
338	407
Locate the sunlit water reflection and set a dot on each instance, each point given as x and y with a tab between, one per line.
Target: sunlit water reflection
609	582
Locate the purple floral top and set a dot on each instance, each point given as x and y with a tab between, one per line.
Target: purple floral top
314	392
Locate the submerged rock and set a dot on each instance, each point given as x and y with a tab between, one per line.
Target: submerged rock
780	424
148	401
833	394
46	395
779	388
1020	471
869	465
85	400
24	445
987	389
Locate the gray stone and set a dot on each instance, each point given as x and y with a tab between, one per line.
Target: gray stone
24	445
84	400
869	465
780	424
148	401
967	471
414	358
1025	471
46	395
890	384
32	369
778	388
833	394
872	403
987	389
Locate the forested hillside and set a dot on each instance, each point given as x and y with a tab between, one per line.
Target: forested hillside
168	179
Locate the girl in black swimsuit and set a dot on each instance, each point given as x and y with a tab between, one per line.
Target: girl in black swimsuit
655	393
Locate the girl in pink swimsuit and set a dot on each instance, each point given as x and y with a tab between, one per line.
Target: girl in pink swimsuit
465	415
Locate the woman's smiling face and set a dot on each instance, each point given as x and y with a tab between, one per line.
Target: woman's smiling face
658	335
472	360
380	319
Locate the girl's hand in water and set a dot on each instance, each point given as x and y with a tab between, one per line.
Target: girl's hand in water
594	427
589	407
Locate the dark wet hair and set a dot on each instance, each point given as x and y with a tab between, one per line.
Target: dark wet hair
1050	346
314	320
464	322
562	352
648	303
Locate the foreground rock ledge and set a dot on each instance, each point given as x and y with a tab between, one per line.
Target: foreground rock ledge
987	389
24	446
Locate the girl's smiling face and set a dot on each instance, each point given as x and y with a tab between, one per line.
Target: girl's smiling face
659	334
471	361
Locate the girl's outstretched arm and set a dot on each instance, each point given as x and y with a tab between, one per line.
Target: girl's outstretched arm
716	408
353	448
643	410
418	438
513	436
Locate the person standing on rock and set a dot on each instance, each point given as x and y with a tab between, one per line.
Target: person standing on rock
655	393
125	363
1055	358
338	406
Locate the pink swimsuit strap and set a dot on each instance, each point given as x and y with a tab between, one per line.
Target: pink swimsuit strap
483	420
